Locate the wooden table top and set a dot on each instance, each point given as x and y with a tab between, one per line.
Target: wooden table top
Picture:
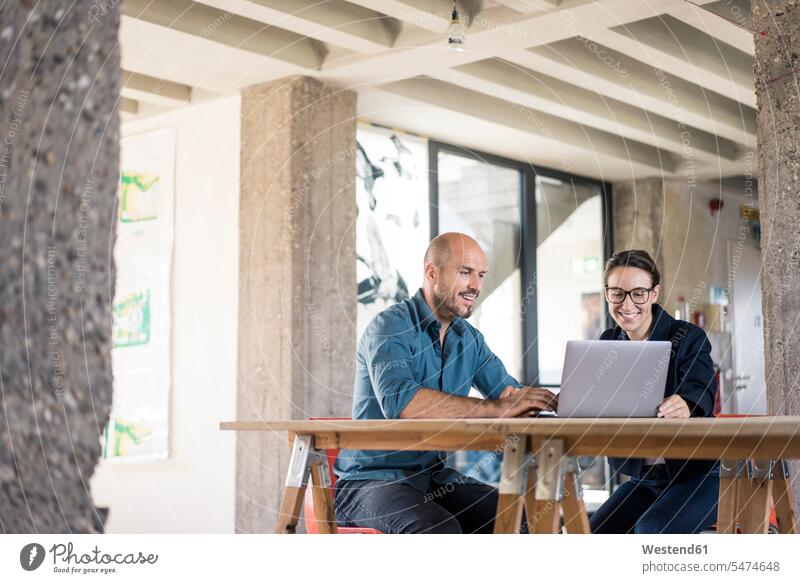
697	438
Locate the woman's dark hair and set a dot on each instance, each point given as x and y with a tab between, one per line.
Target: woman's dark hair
633	258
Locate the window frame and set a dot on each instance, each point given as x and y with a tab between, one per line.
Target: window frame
528	174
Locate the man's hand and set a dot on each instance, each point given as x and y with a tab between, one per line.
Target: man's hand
514	402
508	391
673	407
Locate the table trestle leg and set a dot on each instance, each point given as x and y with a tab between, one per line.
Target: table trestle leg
730	472
513	474
306	462
576	521
783	499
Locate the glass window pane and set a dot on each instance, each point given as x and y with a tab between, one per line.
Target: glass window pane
569	265
483	201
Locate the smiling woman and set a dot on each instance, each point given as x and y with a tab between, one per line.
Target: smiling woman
632	274
661	496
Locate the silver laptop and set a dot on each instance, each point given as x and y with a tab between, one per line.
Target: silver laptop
604	378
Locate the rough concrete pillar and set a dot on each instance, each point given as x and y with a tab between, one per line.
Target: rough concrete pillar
59	164
638	215
776	63
297	295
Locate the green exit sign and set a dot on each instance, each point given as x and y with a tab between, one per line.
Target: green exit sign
586	264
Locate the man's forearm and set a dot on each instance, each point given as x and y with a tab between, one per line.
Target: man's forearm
432	404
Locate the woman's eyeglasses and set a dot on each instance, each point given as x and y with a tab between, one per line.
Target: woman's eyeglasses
639	295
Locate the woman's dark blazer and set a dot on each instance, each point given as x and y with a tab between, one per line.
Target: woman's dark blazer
691	375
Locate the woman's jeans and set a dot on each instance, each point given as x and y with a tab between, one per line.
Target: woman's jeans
653	505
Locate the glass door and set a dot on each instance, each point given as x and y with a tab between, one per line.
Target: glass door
482	198
570	254
546	237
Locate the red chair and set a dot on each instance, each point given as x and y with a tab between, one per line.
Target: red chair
308	506
773	518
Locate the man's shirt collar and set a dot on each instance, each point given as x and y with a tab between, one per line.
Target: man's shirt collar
427	318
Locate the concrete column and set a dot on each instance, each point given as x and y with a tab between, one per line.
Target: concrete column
776	63
297	294
59	169
638	215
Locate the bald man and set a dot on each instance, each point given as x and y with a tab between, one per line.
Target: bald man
418	359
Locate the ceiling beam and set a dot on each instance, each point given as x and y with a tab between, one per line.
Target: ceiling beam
728	21
229	29
128	106
409	14
536	90
195	61
528	6
619	76
154	90
519	117
683	51
430	15
335	22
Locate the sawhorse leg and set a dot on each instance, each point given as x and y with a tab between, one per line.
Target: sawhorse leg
576	521
291	505
554	487
543	479
751	489
727	509
783	499
755	497
512	477
745	495
306	462
544	512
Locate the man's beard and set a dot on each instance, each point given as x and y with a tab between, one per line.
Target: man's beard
446	306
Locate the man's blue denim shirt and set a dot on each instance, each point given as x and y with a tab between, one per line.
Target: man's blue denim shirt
398	354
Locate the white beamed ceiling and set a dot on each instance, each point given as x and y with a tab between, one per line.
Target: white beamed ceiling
592	87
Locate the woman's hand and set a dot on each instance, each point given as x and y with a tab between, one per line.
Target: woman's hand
673	407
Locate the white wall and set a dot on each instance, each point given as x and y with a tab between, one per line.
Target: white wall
695	257
194	490
695	239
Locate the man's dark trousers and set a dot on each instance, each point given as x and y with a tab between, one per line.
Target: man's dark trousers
464	506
